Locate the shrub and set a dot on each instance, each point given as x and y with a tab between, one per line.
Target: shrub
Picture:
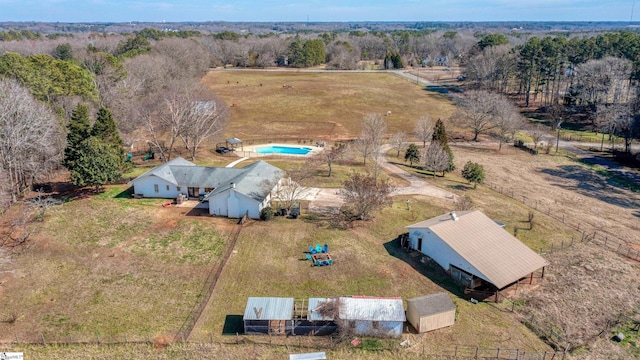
267	213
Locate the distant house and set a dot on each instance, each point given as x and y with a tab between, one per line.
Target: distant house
231	192
372	316
431	312
476	251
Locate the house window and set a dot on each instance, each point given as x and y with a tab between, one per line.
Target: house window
208	190
178	187
352	324
375	325
156	189
167	187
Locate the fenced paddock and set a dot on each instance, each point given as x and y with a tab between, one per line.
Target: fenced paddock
341	347
587	233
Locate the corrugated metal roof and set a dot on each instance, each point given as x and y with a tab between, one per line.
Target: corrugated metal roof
313	314
308	356
371	309
268	308
432	304
500	258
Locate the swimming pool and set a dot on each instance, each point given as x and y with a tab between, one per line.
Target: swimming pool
287	150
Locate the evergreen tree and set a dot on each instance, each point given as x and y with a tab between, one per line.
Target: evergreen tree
412	154
105	128
79	129
296	53
474	173
97	163
440	135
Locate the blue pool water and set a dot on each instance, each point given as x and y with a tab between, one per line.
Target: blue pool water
290	150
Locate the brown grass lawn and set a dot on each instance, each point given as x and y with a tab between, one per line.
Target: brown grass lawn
269	262
114	266
107	266
320	105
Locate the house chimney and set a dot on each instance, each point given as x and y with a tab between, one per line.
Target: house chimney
233	185
453	216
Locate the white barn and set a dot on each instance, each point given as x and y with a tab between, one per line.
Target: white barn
475	250
230	192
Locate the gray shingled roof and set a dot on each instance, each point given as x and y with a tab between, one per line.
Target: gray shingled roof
432	304
500	258
252	180
249	180
164	171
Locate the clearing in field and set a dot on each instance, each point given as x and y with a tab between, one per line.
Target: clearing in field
320	105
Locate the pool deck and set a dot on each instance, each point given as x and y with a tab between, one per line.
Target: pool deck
249	150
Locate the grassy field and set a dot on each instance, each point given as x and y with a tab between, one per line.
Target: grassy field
320	105
108	265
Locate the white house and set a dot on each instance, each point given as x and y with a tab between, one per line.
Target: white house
231	192
475	250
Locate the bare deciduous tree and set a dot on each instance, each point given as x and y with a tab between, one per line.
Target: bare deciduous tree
398	141
476	111
507	119
31	143
374	128
292	188
336	152
424	129
363	194
536	131
491	69
436	158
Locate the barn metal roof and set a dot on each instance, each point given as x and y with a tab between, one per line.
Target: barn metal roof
500	258
432	304
371	309
268	308
313	314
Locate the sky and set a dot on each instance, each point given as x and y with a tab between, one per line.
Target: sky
317	10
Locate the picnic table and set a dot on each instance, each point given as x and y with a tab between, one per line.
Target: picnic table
321	259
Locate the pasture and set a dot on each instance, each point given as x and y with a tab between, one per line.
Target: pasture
320	105
114	266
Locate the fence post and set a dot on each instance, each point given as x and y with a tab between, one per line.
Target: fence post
17	340
563	218
43	342
476	355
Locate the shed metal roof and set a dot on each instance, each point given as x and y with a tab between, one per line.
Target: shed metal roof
313	314
500	258
432	304
371	309
268	308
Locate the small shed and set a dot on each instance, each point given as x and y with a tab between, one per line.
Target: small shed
431	312
269	315
372	316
